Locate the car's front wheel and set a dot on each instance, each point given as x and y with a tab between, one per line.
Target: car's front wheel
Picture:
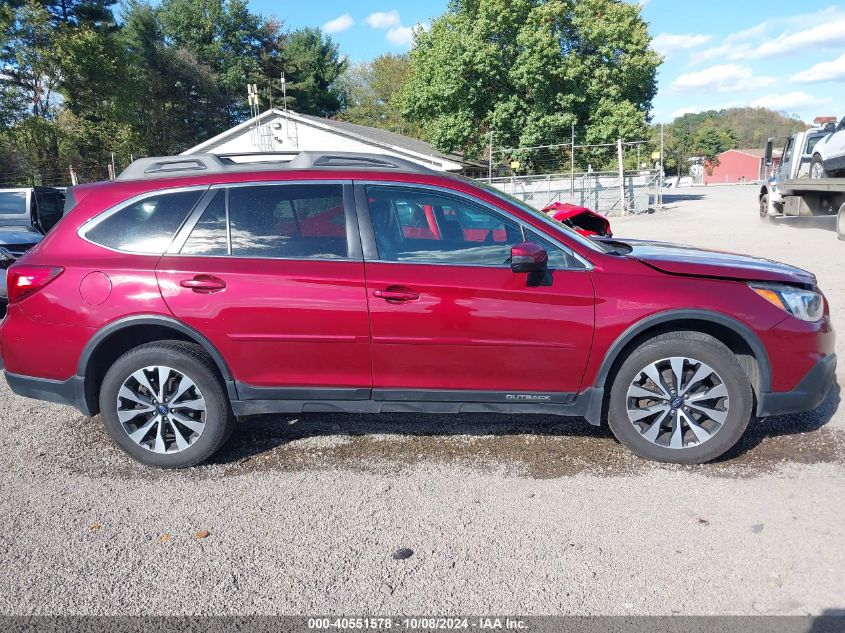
817	170
840	222
680	397
764	206
165	405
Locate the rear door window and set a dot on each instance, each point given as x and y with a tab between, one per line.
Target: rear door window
288	221
145	226
208	237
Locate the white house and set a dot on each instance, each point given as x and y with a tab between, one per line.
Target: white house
286	131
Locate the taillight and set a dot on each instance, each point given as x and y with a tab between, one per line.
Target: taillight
23	281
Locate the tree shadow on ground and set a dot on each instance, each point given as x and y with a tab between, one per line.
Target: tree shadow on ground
540	445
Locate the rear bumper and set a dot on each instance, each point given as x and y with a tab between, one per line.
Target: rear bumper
70	391
807	395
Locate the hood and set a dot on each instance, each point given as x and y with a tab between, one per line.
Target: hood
12	235
677	259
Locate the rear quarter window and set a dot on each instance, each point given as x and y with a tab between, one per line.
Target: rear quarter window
145	226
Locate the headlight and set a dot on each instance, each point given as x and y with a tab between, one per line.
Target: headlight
806	305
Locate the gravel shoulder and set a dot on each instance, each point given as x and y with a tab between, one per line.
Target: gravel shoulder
504	514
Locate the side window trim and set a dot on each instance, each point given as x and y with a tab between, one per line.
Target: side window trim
93	221
368	239
185	230
228	224
353	239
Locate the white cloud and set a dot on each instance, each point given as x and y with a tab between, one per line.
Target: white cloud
340	23
687	110
720	78
831	34
666	43
383	19
747	34
401	35
784	35
797	100
722	51
833	70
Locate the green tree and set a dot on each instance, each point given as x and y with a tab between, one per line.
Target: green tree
372	92
708	133
176	99
223	36
528	70
313	65
710	140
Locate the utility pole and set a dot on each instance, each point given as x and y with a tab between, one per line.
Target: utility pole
572	164
490	159
662	172
621	176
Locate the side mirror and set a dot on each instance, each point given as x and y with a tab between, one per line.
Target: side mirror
527	257
769	152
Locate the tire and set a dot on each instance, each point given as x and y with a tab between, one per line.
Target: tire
817	169
704	438
185	434
764	206
840	222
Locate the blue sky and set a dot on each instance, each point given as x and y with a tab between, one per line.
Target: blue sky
780	54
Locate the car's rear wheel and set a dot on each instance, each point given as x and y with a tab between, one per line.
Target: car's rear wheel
680	397
817	170
840	222
165	405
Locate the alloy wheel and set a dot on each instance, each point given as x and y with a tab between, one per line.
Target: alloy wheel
816	170
677	402
161	409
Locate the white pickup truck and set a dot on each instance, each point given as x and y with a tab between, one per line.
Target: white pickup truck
792	190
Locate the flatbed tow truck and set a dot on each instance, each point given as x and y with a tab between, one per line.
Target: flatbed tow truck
791	192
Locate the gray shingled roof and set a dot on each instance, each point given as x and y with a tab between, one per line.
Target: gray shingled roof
386	137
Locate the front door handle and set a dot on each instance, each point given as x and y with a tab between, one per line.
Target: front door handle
203	284
397	294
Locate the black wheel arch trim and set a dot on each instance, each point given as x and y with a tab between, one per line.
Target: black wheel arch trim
150	319
717	318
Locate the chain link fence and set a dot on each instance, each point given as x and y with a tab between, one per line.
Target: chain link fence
609	178
603	192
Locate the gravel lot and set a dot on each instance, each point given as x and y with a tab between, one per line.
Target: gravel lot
503	514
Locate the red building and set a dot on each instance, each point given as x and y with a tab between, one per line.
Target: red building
738	165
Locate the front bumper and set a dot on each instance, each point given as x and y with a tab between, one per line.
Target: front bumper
807	395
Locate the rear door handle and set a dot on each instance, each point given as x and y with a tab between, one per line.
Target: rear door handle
397	294
204	284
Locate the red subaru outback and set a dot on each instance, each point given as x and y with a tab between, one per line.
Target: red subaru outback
194	290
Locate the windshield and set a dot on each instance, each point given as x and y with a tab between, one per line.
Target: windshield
811	142
584	241
12	202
